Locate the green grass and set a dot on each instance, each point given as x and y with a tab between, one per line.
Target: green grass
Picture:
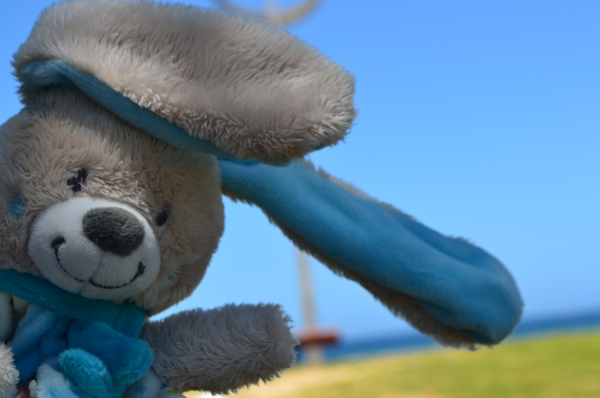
537	367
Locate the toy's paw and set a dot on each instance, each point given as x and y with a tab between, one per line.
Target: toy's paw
222	349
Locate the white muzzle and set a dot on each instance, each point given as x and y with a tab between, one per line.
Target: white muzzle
98	248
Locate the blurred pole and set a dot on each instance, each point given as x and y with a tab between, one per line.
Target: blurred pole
314	352
272	10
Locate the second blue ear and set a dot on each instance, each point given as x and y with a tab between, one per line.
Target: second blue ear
446	287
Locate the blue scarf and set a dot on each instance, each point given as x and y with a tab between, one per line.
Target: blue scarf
91	347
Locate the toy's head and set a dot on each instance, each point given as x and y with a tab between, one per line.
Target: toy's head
101	209
139	116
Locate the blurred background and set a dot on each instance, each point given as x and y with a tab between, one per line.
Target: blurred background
480	119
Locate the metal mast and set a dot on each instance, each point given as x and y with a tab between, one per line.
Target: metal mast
314	352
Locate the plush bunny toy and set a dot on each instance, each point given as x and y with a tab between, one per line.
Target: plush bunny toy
138	117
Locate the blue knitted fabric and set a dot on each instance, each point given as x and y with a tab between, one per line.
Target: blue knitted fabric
74	346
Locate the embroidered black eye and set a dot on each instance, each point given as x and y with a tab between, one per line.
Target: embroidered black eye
76	181
162	217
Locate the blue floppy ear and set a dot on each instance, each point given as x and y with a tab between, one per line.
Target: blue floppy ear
446	287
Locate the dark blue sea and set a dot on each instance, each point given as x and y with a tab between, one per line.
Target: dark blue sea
383	344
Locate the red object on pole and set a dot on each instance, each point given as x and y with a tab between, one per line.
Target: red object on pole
318	337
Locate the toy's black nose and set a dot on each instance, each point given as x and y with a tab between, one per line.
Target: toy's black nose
113	229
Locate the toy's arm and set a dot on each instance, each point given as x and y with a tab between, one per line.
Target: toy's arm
223	349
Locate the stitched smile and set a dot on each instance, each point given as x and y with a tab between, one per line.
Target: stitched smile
56	243
140	272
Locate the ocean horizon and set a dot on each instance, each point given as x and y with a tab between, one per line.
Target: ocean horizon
415	341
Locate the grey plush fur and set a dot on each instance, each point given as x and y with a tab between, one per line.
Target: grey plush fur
221	349
8	374
206	71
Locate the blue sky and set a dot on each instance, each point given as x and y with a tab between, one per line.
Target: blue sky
482	120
